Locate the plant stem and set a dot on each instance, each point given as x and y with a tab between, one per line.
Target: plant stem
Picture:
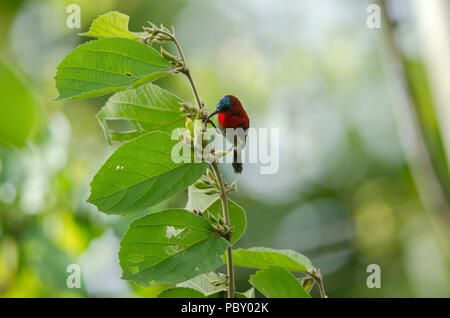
223	192
318	278
186	71
321	287
226	215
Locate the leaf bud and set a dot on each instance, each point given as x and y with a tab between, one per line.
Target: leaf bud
190	126
307	283
210	175
169	56
201	184
211	217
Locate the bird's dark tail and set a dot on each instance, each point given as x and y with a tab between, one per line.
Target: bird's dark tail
237	165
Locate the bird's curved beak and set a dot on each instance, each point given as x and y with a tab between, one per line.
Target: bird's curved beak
213	113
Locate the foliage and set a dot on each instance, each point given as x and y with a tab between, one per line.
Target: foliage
262	257
170	246
18	112
140	174
178	247
107	65
276	282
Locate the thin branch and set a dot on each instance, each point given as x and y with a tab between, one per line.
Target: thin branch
186	71
223	193
226	215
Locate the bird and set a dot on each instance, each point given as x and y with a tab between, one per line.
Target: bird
231	114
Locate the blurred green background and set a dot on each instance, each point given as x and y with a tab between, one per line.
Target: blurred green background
346	195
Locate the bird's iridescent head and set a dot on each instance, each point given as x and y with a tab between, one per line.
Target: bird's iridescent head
224	104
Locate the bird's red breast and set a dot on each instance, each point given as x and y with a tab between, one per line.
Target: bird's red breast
236	117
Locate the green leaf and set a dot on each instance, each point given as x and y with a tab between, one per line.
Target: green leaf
276	282
203	284
107	65
111	24
237	217
17	107
220	294
198	199
140	174
263	257
147	108
181	292
247	294
170	247
224	294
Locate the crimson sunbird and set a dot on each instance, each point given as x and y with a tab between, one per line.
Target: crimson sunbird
233	115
